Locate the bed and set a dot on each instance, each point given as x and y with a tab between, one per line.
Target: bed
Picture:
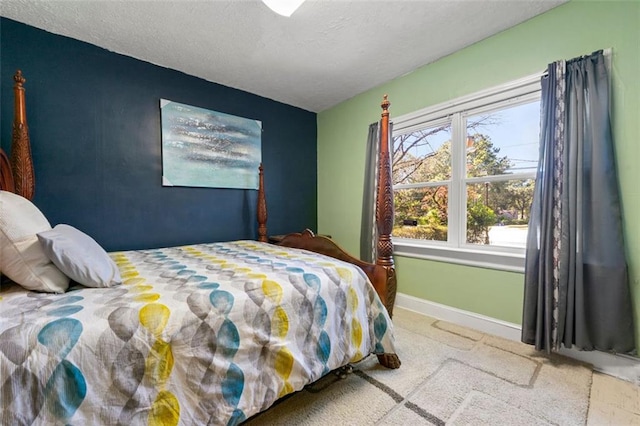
199	334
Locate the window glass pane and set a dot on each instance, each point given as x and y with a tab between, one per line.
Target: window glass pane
498	212
422	155
421	213
504	141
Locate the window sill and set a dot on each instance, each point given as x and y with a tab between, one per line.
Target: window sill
511	262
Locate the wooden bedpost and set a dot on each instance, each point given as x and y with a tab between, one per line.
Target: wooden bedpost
384	223
21	160
262	208
384	208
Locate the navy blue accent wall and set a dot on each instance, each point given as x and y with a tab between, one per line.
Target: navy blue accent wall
94	121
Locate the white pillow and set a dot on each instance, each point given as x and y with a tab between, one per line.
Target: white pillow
21	256
79	256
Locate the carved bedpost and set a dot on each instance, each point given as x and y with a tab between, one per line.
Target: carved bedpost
21	161
384	223
384	208
262	208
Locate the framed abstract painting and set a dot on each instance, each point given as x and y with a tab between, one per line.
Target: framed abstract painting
204	148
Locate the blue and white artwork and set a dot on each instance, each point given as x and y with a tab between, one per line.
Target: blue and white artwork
209	149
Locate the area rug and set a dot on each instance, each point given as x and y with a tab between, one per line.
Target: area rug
449	375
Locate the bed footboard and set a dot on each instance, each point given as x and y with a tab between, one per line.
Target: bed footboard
383	278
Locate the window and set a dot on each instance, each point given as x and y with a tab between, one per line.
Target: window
464	174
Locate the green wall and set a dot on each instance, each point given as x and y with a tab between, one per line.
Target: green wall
570	30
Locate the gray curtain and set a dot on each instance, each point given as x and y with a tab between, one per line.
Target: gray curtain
576	284
368	232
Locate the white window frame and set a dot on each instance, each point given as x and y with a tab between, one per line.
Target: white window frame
456	249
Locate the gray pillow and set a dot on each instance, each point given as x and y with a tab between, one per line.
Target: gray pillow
79	257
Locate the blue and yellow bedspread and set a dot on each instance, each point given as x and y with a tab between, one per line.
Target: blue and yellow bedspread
196	335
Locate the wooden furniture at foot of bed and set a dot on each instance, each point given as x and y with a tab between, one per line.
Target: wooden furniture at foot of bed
383	278
382	274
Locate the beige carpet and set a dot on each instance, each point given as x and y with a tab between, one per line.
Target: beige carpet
449	375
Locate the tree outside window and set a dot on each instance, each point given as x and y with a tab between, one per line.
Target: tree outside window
495	182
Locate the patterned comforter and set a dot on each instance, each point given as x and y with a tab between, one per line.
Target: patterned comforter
196	335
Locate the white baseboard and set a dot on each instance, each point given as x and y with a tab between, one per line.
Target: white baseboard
622	366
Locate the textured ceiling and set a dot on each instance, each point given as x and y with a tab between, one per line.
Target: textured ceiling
326	52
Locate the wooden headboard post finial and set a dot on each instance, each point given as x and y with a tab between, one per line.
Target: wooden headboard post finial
21	160
384	207
262	208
